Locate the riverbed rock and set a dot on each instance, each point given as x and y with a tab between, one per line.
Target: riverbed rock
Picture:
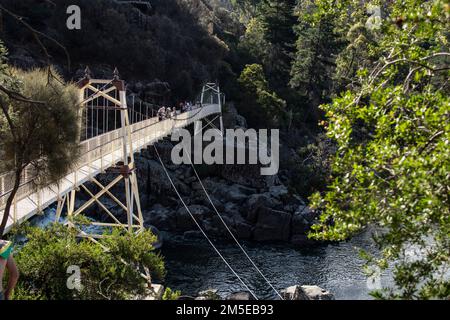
255	203
278	192
247	175
210	294
306	293
242	229
272	225
155	292
161	217
240	296
184	220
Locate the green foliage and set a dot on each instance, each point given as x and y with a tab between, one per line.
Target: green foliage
45	134
392	129
314	64
171	295
254	42
109	270
263	106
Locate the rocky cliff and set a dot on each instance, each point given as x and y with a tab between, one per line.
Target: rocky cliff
254	207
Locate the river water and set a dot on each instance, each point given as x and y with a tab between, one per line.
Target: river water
193	266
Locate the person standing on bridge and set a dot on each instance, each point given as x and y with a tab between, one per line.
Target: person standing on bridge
7	262
161	113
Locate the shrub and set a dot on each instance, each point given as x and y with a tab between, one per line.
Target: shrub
112	273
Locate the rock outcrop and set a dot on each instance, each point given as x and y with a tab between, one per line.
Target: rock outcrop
306	293
252	210
254	207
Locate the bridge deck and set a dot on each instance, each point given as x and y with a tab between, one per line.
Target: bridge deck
98	154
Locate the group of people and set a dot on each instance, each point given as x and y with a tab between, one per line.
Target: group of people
167	112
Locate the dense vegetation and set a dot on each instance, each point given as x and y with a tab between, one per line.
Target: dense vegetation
165	43
109	270
391	124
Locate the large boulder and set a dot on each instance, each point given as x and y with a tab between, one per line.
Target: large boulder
272	225
255	203
302	220
184	220
160	217
210	294
306	293
242	229
247	175
224	191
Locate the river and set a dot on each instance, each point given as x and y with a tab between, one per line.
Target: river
193	266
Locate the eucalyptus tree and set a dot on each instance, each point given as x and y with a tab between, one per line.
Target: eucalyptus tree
38	127
392	129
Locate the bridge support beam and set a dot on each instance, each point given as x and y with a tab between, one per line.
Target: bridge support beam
211	95
114	92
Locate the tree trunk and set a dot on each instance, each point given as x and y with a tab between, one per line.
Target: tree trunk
9	202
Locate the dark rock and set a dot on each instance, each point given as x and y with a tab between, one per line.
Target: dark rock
278	192
255	203
272	225
247	175
184	219
161	217
302	240
243	230
192	235
217	203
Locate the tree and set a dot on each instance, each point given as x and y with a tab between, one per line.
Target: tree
278	19
316	49
262	105
392	129
111	270
38	127
254	42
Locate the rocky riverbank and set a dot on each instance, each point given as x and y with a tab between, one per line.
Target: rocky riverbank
253	209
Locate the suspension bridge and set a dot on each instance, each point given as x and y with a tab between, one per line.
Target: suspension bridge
111	132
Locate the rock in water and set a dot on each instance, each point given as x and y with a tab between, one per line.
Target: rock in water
306	293
240	296
210	294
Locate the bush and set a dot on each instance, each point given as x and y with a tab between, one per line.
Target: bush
114	273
